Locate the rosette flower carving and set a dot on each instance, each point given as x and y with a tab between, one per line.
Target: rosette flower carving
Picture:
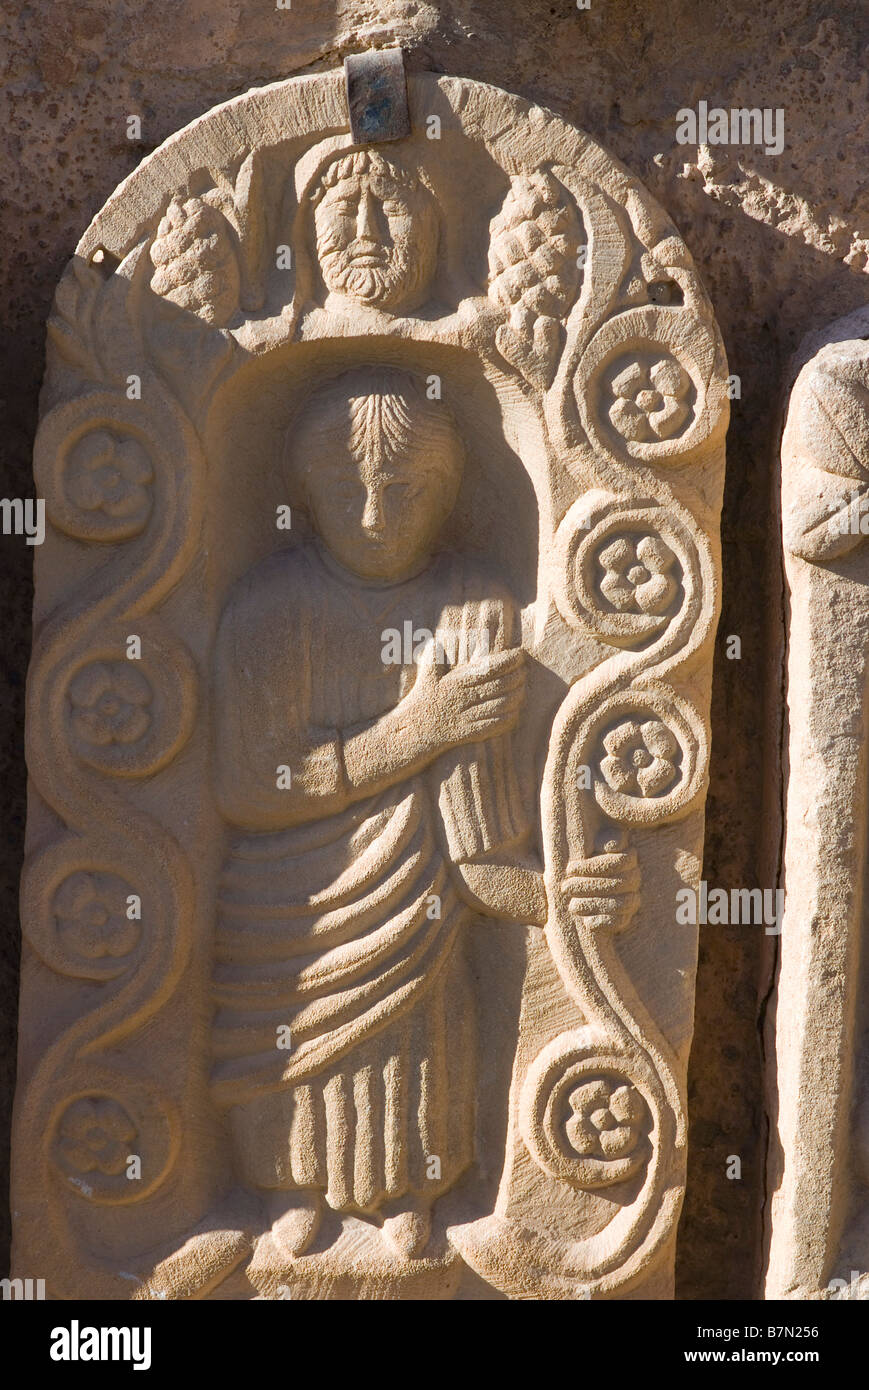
637	574
650	403
109	703
101	460
128	715
640	758
111	475
606	1119
651	385
195	261
583	1115
533	272
90	912
95	1135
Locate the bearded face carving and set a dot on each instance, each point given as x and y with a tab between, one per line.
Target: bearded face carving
376	231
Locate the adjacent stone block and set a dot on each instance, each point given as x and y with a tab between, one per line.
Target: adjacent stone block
368	722
819	1161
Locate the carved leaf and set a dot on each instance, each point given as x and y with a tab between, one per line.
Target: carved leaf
188	351
70	325
248	217
833	422
823	527
93	316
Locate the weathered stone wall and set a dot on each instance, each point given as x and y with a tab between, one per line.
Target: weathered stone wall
781	242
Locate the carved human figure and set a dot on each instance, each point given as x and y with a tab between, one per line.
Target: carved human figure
375	231
376	810
342	903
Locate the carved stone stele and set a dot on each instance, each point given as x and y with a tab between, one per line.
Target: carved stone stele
368	716
819	1159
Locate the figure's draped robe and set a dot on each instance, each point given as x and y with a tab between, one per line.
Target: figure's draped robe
346	927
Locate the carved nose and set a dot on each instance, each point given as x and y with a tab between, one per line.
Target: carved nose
372	516
365	217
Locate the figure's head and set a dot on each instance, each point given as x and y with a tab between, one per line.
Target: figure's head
380	465
376	232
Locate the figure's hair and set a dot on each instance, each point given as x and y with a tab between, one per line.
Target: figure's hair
345	166
372	409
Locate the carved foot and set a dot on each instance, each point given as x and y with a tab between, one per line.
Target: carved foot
213	1250
409	1229
297	1225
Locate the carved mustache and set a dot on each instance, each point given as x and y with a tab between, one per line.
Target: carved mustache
360	246
369	249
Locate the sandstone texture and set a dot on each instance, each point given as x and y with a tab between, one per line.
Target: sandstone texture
780	244
819	1215
368	712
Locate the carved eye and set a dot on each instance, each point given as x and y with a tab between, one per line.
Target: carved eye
405	494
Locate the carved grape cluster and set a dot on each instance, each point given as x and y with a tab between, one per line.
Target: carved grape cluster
533	272
533	253
196	266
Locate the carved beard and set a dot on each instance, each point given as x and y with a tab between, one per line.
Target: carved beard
372	284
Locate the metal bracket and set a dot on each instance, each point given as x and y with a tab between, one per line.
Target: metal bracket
377	95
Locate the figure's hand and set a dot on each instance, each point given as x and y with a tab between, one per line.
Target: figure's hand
475	700
603	890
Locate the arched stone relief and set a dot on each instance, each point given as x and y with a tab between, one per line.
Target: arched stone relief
403	463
